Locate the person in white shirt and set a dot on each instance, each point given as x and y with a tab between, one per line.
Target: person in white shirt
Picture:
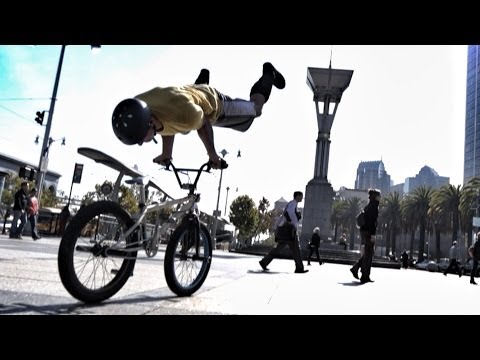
453	261
293	216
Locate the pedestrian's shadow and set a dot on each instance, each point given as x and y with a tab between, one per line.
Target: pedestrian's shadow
265	272
351	283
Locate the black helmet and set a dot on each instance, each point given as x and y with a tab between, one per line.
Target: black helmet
131	120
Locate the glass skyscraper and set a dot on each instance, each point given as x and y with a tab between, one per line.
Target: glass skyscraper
471	166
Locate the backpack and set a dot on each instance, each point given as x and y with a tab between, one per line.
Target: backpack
360	219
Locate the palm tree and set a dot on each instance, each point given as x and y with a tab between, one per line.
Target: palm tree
469	206
409	220
349	212
439	220
264	218
335	217
418	204
391	215
446	200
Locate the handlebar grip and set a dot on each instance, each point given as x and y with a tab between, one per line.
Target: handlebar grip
223	164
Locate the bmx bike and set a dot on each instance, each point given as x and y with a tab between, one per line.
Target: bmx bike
98	250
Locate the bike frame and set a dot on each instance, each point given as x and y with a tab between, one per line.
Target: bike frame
140	217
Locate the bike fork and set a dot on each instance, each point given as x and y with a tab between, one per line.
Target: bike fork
196	232
193	238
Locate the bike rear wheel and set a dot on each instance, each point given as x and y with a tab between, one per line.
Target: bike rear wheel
92	260
185	271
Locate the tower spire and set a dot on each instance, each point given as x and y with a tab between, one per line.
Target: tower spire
331	54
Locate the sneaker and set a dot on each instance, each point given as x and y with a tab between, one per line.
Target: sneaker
19	237
278	79
473	282
203	77
354	273
264	267
301	271
365	280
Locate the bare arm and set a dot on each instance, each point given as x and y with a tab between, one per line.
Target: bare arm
167	148
206	135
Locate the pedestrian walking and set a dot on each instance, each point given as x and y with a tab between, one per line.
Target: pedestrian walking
293	216
367	233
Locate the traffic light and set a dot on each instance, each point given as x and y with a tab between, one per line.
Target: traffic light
26	173
39	118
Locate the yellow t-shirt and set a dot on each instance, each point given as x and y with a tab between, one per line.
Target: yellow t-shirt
180	109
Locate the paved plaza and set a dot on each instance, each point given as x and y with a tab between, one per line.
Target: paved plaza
236	285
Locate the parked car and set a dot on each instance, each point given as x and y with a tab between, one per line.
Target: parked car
414	258
466	268
443	264
427	265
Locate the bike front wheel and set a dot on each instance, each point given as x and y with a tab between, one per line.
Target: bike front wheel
186	268
94	260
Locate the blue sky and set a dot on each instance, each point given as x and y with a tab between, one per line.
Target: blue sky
405	105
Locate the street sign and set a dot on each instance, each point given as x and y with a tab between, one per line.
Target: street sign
77	173
44	164
476	221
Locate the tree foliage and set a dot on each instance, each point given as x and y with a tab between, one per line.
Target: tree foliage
126	197
264	217
244	216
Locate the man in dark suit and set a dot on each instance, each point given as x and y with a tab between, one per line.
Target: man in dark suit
367	233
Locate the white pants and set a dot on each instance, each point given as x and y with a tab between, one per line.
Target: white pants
237	114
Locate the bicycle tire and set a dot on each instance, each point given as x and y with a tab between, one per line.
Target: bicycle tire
107	216
175	276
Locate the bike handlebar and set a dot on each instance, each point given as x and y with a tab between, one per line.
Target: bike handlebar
176	170
204	168
223	165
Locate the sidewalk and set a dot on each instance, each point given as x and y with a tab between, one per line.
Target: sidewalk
236	284
330	289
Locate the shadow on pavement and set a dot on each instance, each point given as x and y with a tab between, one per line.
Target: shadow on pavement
74	308
266	272
351	283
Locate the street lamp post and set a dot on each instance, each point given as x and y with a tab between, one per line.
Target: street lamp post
226	201
216	213
43	163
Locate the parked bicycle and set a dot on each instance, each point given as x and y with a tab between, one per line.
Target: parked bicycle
99	248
